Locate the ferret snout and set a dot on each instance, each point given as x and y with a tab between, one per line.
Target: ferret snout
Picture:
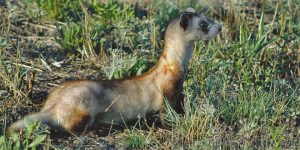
219	28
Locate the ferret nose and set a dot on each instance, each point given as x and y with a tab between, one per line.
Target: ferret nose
220	28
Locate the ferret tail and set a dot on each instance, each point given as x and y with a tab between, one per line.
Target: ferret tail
43	117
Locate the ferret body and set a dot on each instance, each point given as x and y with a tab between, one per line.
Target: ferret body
80	104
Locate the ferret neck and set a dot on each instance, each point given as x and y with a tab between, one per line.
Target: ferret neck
177	50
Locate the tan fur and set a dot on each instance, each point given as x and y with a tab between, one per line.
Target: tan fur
81	104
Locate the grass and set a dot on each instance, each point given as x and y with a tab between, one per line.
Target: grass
242	90
34	136
135	140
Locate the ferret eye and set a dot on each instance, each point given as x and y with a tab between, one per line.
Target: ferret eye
203	24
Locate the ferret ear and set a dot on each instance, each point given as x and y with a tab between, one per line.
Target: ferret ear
185	19
190	9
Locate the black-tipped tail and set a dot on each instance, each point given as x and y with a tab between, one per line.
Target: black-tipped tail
19	125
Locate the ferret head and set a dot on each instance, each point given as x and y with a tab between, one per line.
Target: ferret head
197	27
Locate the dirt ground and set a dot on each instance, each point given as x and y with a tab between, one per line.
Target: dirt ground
31	45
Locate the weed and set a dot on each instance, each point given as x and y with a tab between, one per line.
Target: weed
112	12
12	74
117	19
194	124
276	134
123	65
135	140
62	10
71	37
34	135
